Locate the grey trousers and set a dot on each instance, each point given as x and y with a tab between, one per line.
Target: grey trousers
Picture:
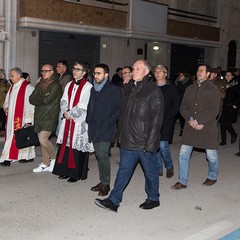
102	155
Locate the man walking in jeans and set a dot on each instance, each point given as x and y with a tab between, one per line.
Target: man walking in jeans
200	108
139	139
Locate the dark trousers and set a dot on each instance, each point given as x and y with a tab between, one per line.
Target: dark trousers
102	155
226	126
2	119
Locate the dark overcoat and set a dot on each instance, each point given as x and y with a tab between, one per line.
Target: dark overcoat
201	102
103	112
171	108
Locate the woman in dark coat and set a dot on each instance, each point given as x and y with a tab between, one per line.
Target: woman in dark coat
231	103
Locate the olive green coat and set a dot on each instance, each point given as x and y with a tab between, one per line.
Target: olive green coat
47	106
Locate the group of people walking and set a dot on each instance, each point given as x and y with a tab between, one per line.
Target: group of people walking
140	113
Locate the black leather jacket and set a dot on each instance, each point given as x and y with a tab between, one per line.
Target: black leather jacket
142	117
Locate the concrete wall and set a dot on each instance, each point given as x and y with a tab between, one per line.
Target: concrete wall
27	52
1	28
230	30
117	52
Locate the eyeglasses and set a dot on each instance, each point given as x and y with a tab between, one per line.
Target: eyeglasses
77	69
124	73
97	73
45	71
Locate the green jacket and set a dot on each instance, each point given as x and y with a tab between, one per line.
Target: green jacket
47	106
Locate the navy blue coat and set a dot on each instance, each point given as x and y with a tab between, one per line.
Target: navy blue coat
103	113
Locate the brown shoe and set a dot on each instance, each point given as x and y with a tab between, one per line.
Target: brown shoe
97	188
209	182
178	186
170	172
104	191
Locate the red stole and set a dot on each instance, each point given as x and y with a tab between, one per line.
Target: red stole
70	125
18	117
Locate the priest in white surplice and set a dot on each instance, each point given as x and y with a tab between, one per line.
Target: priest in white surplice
19	112
74	145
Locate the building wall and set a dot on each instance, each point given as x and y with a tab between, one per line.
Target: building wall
1	28
58	10
119	52
118	49
230	30
27	50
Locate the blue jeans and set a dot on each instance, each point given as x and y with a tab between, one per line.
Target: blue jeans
184	162
164	155
128	161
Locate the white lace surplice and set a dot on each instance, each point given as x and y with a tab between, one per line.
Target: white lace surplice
80	140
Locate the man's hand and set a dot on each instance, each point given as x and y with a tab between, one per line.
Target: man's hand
199	127
67	116
193	123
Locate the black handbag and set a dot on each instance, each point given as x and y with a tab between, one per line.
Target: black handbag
26	137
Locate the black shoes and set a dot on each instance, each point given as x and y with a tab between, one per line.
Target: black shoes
109	205
170	173
106	204
237	154
234	138
26	161
149	204
222	143
63	177
5	164
71	180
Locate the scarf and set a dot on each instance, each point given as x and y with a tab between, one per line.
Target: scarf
98	86
45	83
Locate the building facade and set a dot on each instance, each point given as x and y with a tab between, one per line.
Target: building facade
178	34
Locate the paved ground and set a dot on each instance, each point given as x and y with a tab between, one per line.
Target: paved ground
40	206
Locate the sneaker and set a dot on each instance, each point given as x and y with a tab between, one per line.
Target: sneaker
41	168
106	204
149	204
51	165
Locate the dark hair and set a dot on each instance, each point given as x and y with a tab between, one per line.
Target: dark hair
64	62
103	66
228	70
87	64
25	75
84	65
208	68
130	68
118	69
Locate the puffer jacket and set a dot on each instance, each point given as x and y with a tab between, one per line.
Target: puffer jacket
47	106
142	118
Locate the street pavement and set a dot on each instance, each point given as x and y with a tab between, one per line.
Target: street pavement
39	206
